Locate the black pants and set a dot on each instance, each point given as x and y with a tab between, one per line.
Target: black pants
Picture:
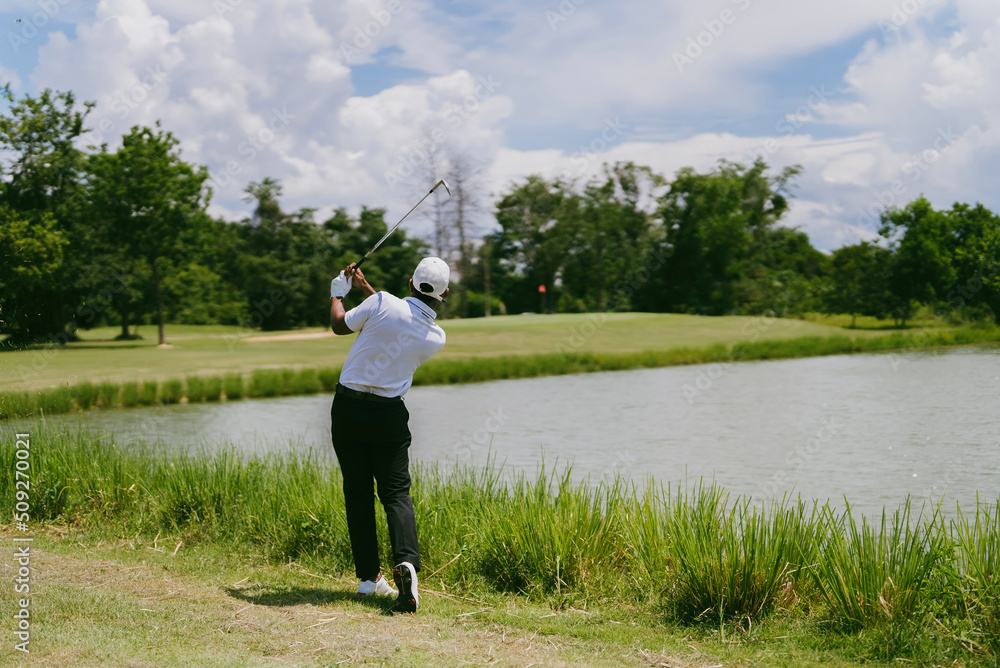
372	441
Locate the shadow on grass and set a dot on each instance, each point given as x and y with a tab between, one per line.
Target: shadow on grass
285	596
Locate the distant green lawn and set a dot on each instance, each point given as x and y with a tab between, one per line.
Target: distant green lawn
215	349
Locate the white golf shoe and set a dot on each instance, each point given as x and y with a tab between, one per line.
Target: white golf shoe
379	586
406	579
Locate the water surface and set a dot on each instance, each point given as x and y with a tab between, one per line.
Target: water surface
875	428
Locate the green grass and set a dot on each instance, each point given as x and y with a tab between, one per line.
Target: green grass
285	382
978	571
108	394
212	388
307	382
15	404
549	534
54	400
216	350
733	561
171	391
148	393
206	605
130	394
690	557
233	386
195	389
85	395
266	383
871	576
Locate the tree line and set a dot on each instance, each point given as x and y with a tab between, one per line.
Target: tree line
93	236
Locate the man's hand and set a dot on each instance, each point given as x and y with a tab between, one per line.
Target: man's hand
340	286
358	280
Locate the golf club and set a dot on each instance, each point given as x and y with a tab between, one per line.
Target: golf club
375	247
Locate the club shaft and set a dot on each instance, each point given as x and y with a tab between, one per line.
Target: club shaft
375	247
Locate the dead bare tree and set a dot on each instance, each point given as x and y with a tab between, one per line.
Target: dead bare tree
454	219
436	209
465	177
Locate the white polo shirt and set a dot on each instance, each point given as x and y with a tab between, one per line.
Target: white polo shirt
395	336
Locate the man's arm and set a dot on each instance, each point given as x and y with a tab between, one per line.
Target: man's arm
337	311
337	314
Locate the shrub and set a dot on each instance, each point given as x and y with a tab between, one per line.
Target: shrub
978	568
265	383
869	577
195	389
307	382
329	378
17	404
130	394
171	391
149	393
732	562
107	394
54	400
85	395
213	388
233	386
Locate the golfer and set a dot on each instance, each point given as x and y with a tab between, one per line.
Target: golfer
369	420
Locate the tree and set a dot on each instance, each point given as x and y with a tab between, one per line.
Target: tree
712	224
860	277
32	250
535	219
281	263
41	188
148	198
465	177
975	257
610	239
922	241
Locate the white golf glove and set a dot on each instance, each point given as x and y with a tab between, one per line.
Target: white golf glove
340	286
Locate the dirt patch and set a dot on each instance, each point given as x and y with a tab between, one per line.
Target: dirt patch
191	620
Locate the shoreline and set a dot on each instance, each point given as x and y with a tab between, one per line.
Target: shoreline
269	383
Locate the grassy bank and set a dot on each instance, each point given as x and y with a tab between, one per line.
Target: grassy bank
692	559
216	351
289	382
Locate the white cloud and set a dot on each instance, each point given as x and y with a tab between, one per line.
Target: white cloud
265	89
11	77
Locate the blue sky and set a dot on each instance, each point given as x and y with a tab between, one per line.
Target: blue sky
336	99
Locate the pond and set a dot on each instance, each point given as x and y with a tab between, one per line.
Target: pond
871	428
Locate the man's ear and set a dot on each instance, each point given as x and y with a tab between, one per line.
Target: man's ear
411	285
445	294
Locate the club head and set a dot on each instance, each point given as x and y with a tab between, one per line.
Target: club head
442	183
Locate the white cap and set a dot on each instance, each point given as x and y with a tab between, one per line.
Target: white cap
431	277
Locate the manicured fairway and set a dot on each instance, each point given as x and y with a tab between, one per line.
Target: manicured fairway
217	349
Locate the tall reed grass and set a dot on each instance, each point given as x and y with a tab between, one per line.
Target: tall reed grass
195	389
870	575
108	394
977	542
233	386
550	533
691	553
732	561
171	391
85	395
